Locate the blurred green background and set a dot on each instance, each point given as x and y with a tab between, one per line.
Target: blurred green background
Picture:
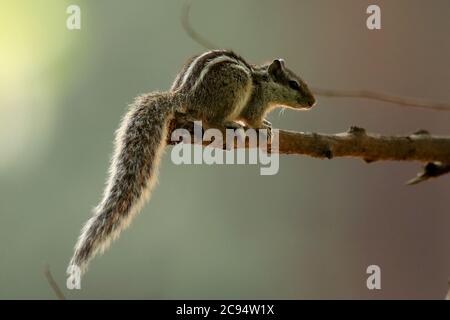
221	231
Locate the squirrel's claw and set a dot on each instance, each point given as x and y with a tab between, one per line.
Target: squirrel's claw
267	125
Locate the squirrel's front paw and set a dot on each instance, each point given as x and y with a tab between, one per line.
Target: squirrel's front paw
239	132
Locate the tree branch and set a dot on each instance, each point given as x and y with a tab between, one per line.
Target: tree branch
53	284
356	143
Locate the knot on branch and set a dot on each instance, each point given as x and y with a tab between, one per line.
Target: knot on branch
368	160
328	153
421	132
356	131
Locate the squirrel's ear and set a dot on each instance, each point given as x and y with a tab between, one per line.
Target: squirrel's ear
276	67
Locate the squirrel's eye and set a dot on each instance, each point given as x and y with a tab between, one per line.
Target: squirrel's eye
294	85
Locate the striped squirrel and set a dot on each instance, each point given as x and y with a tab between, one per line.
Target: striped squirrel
217	87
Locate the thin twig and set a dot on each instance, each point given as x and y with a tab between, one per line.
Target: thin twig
363	94
51	281
355	143
430	170
448	293
366	94
187	26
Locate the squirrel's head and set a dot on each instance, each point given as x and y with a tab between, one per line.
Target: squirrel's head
286	89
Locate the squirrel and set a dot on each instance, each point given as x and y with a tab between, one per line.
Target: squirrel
218	87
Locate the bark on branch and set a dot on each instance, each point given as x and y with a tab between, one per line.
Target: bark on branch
434	151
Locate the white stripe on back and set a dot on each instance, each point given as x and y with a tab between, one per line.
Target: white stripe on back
191	67
237	64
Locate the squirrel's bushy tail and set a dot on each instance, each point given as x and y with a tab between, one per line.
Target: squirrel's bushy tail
139	143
